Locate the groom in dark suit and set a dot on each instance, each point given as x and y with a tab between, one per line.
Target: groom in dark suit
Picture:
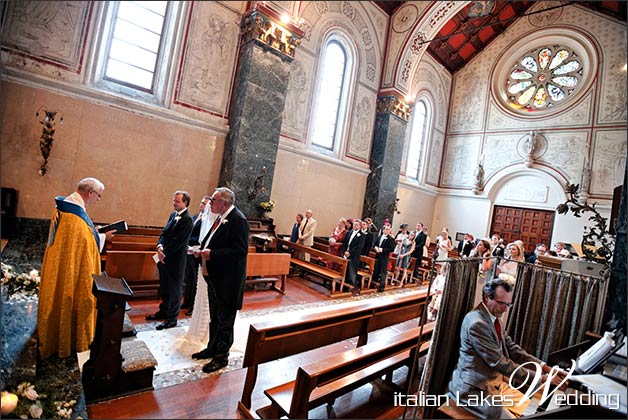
352	249
383	246
172	253
419	243
223	250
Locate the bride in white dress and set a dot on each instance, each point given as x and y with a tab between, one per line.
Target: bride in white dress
198	331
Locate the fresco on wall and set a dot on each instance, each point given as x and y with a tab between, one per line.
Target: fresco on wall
49	30
434	158
609	162
209	57
296	110
460	161
362	124
613	100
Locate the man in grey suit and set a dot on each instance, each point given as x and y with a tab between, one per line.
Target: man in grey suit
488	357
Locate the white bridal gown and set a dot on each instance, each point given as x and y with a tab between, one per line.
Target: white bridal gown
198	331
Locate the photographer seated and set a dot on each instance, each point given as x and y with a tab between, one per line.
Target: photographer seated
489	358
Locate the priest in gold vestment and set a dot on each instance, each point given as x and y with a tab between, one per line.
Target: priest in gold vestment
66	314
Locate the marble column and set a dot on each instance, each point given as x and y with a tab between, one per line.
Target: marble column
391	122
255	116
615	309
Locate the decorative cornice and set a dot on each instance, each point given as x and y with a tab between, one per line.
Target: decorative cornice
262	25
391	104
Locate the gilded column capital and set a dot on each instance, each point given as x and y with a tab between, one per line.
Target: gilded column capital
391	104
264	27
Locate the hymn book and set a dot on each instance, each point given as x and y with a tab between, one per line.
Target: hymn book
118	227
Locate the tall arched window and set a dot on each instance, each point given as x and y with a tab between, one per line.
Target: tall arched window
330	107
418	138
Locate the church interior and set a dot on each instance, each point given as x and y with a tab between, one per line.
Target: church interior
478	117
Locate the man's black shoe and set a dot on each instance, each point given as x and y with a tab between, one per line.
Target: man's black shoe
215	365
189	312
157	316
166	324
203	354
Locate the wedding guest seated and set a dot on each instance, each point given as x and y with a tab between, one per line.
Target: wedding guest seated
489	358
437	287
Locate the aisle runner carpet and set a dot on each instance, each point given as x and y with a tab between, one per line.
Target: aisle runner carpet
173	351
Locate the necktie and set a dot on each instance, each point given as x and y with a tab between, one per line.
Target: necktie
213	228
304	226
498	328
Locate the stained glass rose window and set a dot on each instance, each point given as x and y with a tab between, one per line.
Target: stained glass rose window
543	77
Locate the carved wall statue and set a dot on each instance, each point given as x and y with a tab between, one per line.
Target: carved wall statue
478	179
531	147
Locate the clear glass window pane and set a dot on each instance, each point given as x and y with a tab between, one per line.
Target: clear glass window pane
134	44
417	137
133	55
126	73
136	35
329	96
133	12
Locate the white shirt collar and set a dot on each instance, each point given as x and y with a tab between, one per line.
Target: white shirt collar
225	214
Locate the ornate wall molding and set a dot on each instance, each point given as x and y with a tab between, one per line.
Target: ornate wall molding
393	105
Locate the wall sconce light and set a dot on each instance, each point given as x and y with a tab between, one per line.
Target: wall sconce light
47	119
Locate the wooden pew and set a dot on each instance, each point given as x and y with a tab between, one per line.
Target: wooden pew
273	340
319	266
268	268
323	381
138	269
366	273
390	283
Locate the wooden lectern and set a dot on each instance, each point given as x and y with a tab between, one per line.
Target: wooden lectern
104	374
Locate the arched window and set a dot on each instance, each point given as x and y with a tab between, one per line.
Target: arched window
330	109
418	138
135	48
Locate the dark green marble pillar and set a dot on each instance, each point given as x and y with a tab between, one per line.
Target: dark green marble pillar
255	116
391	121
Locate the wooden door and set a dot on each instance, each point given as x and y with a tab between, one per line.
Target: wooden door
530	225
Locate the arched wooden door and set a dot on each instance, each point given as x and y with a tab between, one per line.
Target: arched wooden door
530	225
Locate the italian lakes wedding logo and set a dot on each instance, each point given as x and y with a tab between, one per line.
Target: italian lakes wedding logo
482	399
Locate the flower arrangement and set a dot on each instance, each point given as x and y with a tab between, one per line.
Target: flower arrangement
27	403
267	206
20	283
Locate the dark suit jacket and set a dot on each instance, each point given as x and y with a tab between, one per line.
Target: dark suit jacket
368	243
226	266
483	362
196	231
354	248
388	246
419	243
466	250
174	238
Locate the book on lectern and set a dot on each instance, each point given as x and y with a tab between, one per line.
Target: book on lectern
118	227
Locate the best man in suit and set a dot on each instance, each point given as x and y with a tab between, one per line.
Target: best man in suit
488	357
383	246
172	253
419	244
351	250
223	250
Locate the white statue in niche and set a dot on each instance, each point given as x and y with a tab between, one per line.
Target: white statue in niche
478	176
530	145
